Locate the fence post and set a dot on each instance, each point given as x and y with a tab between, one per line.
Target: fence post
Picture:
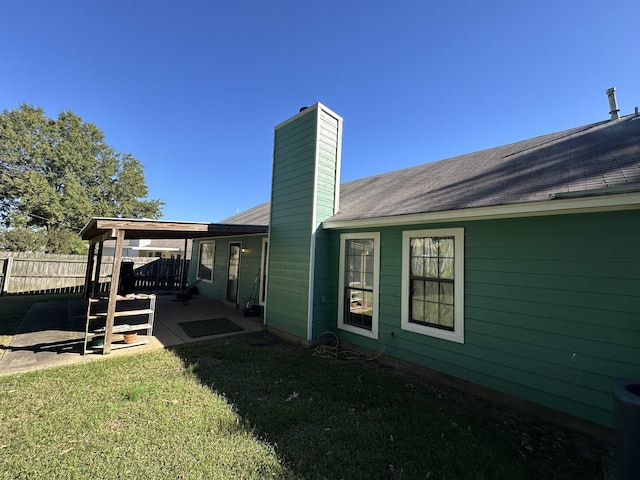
8	263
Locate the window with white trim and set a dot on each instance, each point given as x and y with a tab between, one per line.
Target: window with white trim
359	282
433	283
205	261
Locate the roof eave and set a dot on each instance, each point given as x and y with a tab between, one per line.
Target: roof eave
628	201
102	228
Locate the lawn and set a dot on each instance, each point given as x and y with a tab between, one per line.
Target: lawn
255	407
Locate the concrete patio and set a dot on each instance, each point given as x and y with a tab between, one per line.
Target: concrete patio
52	333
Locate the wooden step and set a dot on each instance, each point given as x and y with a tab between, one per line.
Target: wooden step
122	328
125	313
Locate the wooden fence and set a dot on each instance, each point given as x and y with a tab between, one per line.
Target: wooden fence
31	273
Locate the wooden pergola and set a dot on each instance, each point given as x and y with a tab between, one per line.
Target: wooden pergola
98	230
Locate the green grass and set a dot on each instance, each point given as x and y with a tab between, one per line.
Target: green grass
332	418
143	416
253	407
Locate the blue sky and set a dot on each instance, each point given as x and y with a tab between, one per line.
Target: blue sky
193	88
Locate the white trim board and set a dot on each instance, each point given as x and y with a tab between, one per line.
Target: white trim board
534	209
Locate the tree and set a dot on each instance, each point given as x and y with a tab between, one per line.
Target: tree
60	173
21	239
66	242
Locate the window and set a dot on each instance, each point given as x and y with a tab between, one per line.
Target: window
359	266
205	261
433	283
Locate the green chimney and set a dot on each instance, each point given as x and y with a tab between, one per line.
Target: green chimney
305	191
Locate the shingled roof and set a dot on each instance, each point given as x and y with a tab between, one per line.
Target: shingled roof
594	159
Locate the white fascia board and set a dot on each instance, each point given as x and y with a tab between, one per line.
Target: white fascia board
603	203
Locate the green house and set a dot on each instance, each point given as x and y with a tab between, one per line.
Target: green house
513	272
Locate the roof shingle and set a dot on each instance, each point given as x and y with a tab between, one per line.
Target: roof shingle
599	155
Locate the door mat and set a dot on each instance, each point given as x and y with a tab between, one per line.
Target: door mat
211	326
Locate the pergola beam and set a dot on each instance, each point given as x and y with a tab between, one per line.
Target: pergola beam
108	235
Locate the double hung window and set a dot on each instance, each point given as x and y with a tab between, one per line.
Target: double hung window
433	283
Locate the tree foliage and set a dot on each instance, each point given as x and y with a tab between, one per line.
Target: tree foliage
58	173
22	239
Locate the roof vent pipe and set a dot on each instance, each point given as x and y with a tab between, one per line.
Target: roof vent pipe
613	104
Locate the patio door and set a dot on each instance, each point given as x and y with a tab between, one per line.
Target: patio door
234	268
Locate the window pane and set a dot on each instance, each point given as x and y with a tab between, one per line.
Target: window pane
418	290
367	304
367	264
432	268
417	267
356	298
446	316
431	247
446	268
417	247
446	247
432	291
417	311
432	312
358	310
446	293
368	280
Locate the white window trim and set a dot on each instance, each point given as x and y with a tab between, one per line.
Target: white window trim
213	261
457	335
375	236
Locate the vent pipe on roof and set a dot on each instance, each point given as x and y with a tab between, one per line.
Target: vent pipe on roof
613	103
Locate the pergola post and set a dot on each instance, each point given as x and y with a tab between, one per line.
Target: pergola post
113	291
96	281
88	276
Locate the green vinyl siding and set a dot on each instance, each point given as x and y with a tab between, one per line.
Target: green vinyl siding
325	267
249	268
325	297
552	309
304	188
327	167
290	225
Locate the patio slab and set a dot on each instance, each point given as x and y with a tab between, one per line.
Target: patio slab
52	333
